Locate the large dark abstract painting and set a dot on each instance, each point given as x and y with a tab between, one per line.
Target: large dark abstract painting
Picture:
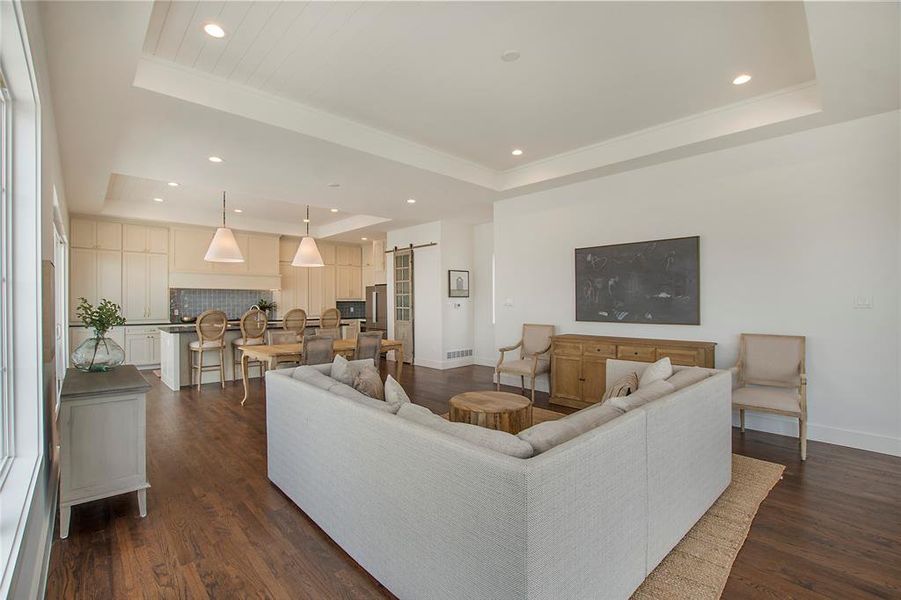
641	282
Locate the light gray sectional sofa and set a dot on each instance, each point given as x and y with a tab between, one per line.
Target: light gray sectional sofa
431	515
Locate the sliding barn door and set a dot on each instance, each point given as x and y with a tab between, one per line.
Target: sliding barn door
403	301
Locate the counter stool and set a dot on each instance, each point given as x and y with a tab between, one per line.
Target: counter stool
253	331
211	326
330	318
295	321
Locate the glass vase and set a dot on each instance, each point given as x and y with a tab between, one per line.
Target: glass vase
98	353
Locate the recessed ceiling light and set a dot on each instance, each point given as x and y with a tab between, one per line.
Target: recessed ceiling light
173	184
215	159
364	239
741	79
334	185
517	152
157	199
238	210
411	200
214	30
510	56
333	209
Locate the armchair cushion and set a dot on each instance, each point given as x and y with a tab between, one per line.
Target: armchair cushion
772	360
767	398
536	339
523	367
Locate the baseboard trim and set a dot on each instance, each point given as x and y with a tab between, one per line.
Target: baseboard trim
839	436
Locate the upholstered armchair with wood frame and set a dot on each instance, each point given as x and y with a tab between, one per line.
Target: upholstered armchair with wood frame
771	377
534	359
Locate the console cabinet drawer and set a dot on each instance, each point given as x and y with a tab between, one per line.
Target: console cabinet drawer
639	353
567	348
599	349
681	356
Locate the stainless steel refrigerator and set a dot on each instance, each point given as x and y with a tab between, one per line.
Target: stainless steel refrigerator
377	307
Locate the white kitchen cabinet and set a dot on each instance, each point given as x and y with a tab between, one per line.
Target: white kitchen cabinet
188	247
348	256
349	283
327	251
142	346
146	287
322	286
262	254
94	275
102	235
143	238
241	268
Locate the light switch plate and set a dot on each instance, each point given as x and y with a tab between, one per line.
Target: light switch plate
863	302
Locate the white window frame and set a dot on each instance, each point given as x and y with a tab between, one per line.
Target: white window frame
24	360
6	407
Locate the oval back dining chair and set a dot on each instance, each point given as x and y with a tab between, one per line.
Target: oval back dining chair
210	327
253	331
295	321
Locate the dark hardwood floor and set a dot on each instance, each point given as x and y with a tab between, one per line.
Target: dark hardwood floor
216	527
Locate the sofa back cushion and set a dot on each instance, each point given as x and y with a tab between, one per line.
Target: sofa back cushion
313	376
644	394
686	377
498	441
544	436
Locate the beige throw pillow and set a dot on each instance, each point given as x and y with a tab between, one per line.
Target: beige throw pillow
368	381
395	394
662	369
622	387
341	371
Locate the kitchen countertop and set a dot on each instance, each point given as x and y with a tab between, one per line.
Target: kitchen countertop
235	325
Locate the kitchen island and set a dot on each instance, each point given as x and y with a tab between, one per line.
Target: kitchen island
175	357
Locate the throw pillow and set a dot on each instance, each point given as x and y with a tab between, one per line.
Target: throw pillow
686	377
395	394
662	369
367	381
622	387
341	371
643	395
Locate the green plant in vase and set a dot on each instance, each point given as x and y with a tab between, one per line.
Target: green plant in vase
267	306
98	353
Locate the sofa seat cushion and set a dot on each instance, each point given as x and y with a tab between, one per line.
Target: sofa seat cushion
644	394
544	436
498	441
786	400
662	369
395	395
686	377
524	366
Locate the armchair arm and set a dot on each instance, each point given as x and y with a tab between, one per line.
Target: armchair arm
736	374
504	350
536	356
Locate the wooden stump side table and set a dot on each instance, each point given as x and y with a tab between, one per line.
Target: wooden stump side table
494	410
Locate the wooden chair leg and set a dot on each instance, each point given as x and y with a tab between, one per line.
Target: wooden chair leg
522	385
222	367
533	389
497	377
802	426
741	418
199	370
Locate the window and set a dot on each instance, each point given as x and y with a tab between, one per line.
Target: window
5	250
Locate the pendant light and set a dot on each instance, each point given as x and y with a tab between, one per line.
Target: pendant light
307	253
224	248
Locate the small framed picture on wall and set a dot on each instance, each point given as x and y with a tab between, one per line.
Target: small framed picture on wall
458	284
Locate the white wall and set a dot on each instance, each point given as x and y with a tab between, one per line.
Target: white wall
792	229
30	573
457	313
484	348
427	303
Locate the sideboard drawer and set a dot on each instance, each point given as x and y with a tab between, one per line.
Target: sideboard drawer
639	353
567	348
600	350
681	356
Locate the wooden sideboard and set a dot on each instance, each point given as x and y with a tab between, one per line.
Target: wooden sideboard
579	362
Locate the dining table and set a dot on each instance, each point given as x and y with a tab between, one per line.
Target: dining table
270	354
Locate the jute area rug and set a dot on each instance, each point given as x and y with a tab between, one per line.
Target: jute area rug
699	566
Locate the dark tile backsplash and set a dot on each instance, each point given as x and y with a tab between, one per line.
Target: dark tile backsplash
352	309
192	302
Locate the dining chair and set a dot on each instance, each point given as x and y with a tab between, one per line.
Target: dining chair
210	327
771	377
534	346
332	332
318	350
284	337
351	330
253	331
295	320
369	345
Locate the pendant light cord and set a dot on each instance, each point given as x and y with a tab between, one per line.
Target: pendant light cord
223	209
308	220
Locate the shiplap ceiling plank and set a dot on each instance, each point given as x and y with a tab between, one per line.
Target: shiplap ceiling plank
268	38
155	27
232	19
244	37
195	38
176	25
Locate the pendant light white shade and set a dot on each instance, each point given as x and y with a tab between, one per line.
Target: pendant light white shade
224	248
307	254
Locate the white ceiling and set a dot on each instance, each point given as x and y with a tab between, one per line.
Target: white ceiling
432	73
399	99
